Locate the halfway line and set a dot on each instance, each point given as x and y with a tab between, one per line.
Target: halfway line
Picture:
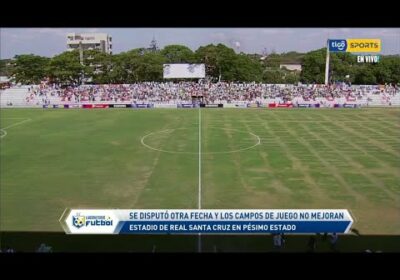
199	202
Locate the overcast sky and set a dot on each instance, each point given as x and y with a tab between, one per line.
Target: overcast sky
51	41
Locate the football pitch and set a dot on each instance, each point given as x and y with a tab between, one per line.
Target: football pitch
52	159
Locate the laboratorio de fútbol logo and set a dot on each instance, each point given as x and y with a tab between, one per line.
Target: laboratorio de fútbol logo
79	221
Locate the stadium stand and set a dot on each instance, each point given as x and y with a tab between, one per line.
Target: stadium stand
210	93
19	96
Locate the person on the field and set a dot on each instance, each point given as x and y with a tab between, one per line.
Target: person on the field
312	244
278	241
333	241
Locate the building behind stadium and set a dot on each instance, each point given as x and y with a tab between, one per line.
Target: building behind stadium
90	41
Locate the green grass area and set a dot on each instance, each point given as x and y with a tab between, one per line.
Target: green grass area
342	158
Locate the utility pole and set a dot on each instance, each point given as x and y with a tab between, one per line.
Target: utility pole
327	63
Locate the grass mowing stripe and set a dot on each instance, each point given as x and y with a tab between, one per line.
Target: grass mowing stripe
84	158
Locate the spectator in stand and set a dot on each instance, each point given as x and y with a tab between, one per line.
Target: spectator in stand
213	93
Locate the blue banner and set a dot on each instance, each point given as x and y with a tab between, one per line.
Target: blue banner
337	45
304	105
244	227
349	105
142	105
185	106
211	221
117	105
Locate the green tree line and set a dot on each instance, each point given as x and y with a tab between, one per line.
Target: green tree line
222	63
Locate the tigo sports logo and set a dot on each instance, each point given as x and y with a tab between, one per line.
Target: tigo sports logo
364	45
337	45
79	221
355	45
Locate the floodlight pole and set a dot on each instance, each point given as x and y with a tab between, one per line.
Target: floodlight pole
80	53
327	63
81	60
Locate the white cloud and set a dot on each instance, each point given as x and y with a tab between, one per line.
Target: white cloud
278	31
220	36
46	41
16	37
61	32
93	30
389	32
345	30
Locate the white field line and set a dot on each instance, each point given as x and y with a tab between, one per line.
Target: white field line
199	202
142	140
258	142
12	125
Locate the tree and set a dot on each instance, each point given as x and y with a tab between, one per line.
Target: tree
364	75
29	68
208	55
136	66
273	60
219	61
388	69
291	78
313	69
65	68
383	72
98	66
273	76
178	54
223	62
247	69
6	66
118	72
341	65
143	64
150	67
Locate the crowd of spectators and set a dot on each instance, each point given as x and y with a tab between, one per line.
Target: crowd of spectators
185	92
